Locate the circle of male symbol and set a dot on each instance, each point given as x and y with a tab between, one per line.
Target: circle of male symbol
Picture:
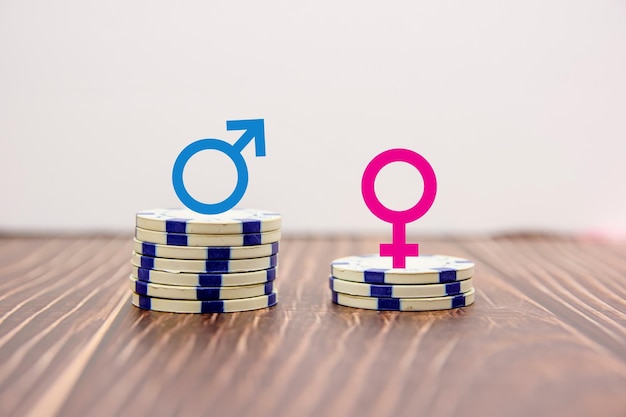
232	199
254	129
399	249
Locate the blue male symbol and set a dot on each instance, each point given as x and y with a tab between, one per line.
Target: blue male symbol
254	129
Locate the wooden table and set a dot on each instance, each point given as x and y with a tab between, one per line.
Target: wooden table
546	337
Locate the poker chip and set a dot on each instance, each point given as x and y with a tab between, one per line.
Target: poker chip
207	252
399	291
185	262
185	221
200	306
199	293
426	283
405	304
182	239
204	279
423	269
197	265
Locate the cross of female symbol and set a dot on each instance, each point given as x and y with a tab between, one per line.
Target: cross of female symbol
399	249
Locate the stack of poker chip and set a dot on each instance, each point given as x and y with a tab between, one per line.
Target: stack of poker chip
428	282
185	262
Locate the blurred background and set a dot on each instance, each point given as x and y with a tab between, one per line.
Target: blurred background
520	107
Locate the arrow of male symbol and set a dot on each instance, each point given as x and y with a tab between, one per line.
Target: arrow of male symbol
253	129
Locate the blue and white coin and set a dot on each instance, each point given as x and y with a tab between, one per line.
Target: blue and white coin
209	265
423	269
204	279
212	306
405	304
199	252
181	239
183	220
176	292
400	291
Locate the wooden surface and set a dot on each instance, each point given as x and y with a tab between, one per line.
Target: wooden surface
546	337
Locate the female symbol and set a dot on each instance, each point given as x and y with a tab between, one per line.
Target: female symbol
399	249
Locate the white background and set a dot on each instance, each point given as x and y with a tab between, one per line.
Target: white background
520	107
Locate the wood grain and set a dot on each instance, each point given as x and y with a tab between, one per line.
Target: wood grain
546	336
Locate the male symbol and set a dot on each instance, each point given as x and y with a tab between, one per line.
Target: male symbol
254	129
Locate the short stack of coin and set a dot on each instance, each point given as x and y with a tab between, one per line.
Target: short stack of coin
428	282
186	262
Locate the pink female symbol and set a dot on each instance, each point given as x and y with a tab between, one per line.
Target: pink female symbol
399	249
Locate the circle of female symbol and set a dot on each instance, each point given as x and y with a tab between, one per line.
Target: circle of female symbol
399	249
254	129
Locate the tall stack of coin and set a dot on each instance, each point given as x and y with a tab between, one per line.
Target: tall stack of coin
186	262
